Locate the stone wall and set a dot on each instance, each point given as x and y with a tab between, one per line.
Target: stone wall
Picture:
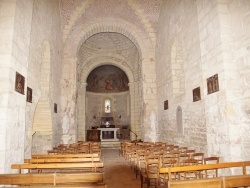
94	106
212	40
238	78
14	52
43	126
178	73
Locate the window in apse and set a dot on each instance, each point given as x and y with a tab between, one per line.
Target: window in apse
107	106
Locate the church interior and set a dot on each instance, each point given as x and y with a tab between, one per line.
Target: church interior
170	71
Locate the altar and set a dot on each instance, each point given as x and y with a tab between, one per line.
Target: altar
108	134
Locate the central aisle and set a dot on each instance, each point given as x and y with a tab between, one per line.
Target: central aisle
117	172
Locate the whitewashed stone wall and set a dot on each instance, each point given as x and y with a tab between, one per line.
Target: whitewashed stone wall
177	59
14	52
120	108
43	127
214	40
237	64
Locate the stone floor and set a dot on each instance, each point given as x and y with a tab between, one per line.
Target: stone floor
117	171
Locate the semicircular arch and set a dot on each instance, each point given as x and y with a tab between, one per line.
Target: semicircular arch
99	60
81	34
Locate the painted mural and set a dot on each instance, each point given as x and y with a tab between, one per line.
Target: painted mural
107	79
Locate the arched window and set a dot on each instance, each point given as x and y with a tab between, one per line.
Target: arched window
107	106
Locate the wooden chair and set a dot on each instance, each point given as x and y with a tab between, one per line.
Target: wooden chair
199	157
140	162
190	152
152	170
190	174
176	153
210	173
166	162
183	149
182	158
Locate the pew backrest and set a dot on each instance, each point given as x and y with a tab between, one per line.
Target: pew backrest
46	156
236	181
242	164
204	183
221	182
56	166
50	178
62	160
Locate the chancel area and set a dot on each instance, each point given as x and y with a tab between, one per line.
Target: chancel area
124	73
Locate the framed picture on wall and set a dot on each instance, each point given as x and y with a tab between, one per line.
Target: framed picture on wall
29	95
55	107
19	83
166	105
196	94
212	84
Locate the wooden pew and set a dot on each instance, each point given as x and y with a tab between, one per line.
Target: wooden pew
170	170
197	183
61	160
236	181
221	182
227	181
46	179
46	156
102	185
59	166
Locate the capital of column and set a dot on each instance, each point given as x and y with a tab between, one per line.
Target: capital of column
82	85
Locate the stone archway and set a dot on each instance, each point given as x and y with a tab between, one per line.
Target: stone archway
93	63
147	103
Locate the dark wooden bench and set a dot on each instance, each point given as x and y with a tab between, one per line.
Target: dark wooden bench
93	167
53	179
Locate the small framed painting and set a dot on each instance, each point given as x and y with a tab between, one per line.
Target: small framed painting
196	94
19	83
166	105
29	95
55	107
212	84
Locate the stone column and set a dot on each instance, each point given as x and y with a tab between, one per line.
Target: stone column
134	110
149	101
81	108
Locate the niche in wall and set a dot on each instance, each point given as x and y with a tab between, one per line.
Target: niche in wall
179	120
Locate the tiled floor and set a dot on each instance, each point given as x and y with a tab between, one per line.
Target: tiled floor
117	171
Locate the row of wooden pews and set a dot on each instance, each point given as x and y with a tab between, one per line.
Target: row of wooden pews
58	170
77	148
167	165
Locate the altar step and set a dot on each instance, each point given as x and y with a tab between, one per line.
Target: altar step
111	144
